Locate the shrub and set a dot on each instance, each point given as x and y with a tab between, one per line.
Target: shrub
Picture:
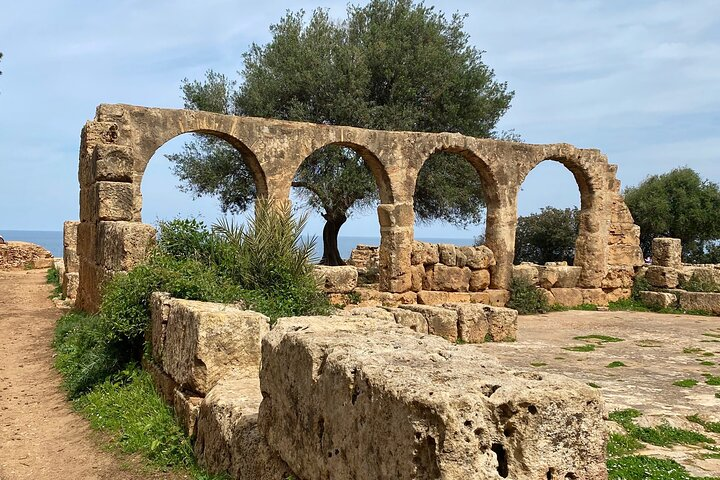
526	298
640	284
53	278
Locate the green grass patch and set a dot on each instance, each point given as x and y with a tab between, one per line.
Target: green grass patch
713	380
692	350
620	444
662	435
649	343
717	394
714	335
615	364
641	467
538	364
708	354
707	363
138	421
589	347
598	339
593	385
686	383
713	427
53	278
587	307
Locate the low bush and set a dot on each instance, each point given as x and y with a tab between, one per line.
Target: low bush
526	298
53	278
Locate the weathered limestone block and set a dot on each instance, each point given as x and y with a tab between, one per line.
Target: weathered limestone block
396	405
431	297
371	312
707	302
342	279
594	296
526	272
113	163
366	259
70	243
450	279
413	320
460	258
703	274
662	277
442	322
159	316
479	280
480	297
70	285
113	201
473	325
424	253
502	323
186	407
479	258
625	255
497	297
395	259
568	277
615	294
667	252
228	439
548	277
418	277
658	299
567	297
205	341
43	263
619	276
59	265
447	254
123	245
164	384
549	297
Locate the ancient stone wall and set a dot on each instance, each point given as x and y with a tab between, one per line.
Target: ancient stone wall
315	403
118	144
71	260
24	255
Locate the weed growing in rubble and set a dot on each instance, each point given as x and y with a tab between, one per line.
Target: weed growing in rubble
615	364
526	298
686	383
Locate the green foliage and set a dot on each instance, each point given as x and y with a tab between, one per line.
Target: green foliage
700	283
712	380
662	435
677	204
588	347
640	284
593	385
642	467
620	444
128	409
547	236
615	364
596	338
53	278
686	383
526	298
391	64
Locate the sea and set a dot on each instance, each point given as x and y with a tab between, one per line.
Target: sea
53	241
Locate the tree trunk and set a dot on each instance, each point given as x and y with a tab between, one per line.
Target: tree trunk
331	255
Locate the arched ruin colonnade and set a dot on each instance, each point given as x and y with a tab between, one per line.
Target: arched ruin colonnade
117	145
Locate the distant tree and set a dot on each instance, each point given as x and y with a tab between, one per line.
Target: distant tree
547	236
1	55
677	204
391	64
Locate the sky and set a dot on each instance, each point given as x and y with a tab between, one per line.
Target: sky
639	80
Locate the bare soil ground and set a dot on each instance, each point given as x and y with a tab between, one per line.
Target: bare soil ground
656	349
41	438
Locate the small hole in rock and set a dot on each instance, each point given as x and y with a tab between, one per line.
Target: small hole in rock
550	474
571	476
532	409
502	467
468	423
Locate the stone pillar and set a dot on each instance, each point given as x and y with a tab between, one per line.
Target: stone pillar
396	240
591	246
500	238
667	252
71	260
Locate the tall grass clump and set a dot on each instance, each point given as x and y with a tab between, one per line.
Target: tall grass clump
265	265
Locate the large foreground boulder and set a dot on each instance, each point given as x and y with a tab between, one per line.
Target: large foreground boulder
353	398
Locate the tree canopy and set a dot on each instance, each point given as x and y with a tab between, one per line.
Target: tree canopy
677	204
547	236
391	64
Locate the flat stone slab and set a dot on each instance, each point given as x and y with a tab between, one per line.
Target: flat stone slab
352	399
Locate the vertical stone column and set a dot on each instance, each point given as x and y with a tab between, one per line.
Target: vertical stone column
500	238
71	260
110	237
396	240
591	246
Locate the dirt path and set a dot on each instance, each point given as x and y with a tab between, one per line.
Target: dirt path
40	436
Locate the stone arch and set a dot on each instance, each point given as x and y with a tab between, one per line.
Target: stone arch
591	177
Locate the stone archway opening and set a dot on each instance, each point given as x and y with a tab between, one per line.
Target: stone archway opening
455	187
549	211
338	181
